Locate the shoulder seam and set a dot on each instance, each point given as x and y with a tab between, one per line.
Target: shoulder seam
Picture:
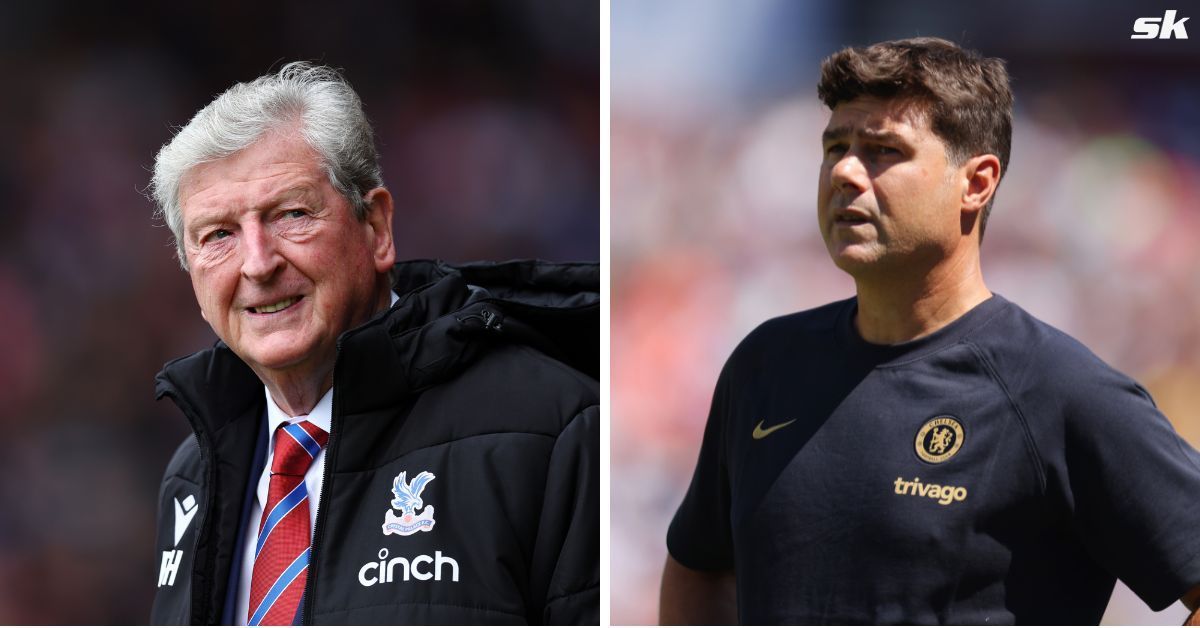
581	379
1030	444
965	339
553	362
585	589
180	476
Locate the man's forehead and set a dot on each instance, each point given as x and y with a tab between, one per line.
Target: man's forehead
269	190
276	166
875	115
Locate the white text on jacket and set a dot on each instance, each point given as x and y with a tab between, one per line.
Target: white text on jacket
418	567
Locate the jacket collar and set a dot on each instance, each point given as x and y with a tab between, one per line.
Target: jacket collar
445	318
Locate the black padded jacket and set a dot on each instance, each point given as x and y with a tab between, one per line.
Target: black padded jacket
484	375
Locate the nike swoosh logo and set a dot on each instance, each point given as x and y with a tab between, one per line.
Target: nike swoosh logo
760	433
182	519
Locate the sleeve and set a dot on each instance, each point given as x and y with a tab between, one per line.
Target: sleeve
700	536
175	546
1134	487
566	558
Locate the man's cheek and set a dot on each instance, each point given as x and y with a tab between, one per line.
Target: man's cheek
209	304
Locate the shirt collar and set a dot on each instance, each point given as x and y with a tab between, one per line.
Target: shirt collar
321	415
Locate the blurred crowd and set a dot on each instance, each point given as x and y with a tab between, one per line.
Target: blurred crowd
486	116
715	154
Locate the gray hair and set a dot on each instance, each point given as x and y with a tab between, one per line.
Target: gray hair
331	121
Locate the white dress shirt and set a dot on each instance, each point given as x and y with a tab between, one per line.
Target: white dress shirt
322	417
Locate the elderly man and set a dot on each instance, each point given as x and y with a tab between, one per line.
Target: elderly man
374	442
926	452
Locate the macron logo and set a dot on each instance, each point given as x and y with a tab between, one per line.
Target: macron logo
183	516
1149	27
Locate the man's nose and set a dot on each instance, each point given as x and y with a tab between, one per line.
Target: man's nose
849	172
260	259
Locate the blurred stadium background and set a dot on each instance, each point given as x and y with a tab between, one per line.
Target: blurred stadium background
487	118
715	152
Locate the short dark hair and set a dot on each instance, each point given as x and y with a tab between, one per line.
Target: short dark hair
965	95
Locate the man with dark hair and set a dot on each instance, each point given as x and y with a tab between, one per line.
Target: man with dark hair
927	451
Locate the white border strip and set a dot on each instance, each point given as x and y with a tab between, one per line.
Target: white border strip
605	301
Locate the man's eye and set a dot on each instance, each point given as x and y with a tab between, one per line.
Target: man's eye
886	150
219	234
835	149
295	213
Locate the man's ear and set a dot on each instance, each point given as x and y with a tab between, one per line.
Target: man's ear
379	226
982	175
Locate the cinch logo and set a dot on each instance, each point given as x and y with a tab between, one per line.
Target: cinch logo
384	571
943	494
1148	27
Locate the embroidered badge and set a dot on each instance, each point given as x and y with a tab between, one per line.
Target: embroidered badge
408	502
939	439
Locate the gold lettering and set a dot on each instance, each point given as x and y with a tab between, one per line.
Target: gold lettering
942	494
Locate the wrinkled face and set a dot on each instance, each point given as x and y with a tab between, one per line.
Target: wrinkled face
888	196
279	263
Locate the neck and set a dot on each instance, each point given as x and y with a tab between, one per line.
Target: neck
297	390
895	309
297	396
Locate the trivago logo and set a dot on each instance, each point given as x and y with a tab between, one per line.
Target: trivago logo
1150	27
944	495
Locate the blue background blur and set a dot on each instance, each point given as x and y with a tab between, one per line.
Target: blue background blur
715	153
487	118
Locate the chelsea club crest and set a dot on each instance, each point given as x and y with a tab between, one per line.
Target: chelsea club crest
413	518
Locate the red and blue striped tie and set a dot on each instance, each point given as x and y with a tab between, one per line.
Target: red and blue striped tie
284	535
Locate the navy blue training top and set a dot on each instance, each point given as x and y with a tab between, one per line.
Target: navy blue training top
995	471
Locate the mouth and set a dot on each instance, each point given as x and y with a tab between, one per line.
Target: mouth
850	217
275	307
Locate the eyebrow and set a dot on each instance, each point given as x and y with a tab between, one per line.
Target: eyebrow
842	132
302	192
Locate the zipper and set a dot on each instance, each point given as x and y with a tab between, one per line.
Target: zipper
308	599
491	320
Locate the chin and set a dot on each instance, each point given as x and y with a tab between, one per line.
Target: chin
277	353
852	268
853	259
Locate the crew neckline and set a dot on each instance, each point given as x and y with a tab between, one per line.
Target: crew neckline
859	349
